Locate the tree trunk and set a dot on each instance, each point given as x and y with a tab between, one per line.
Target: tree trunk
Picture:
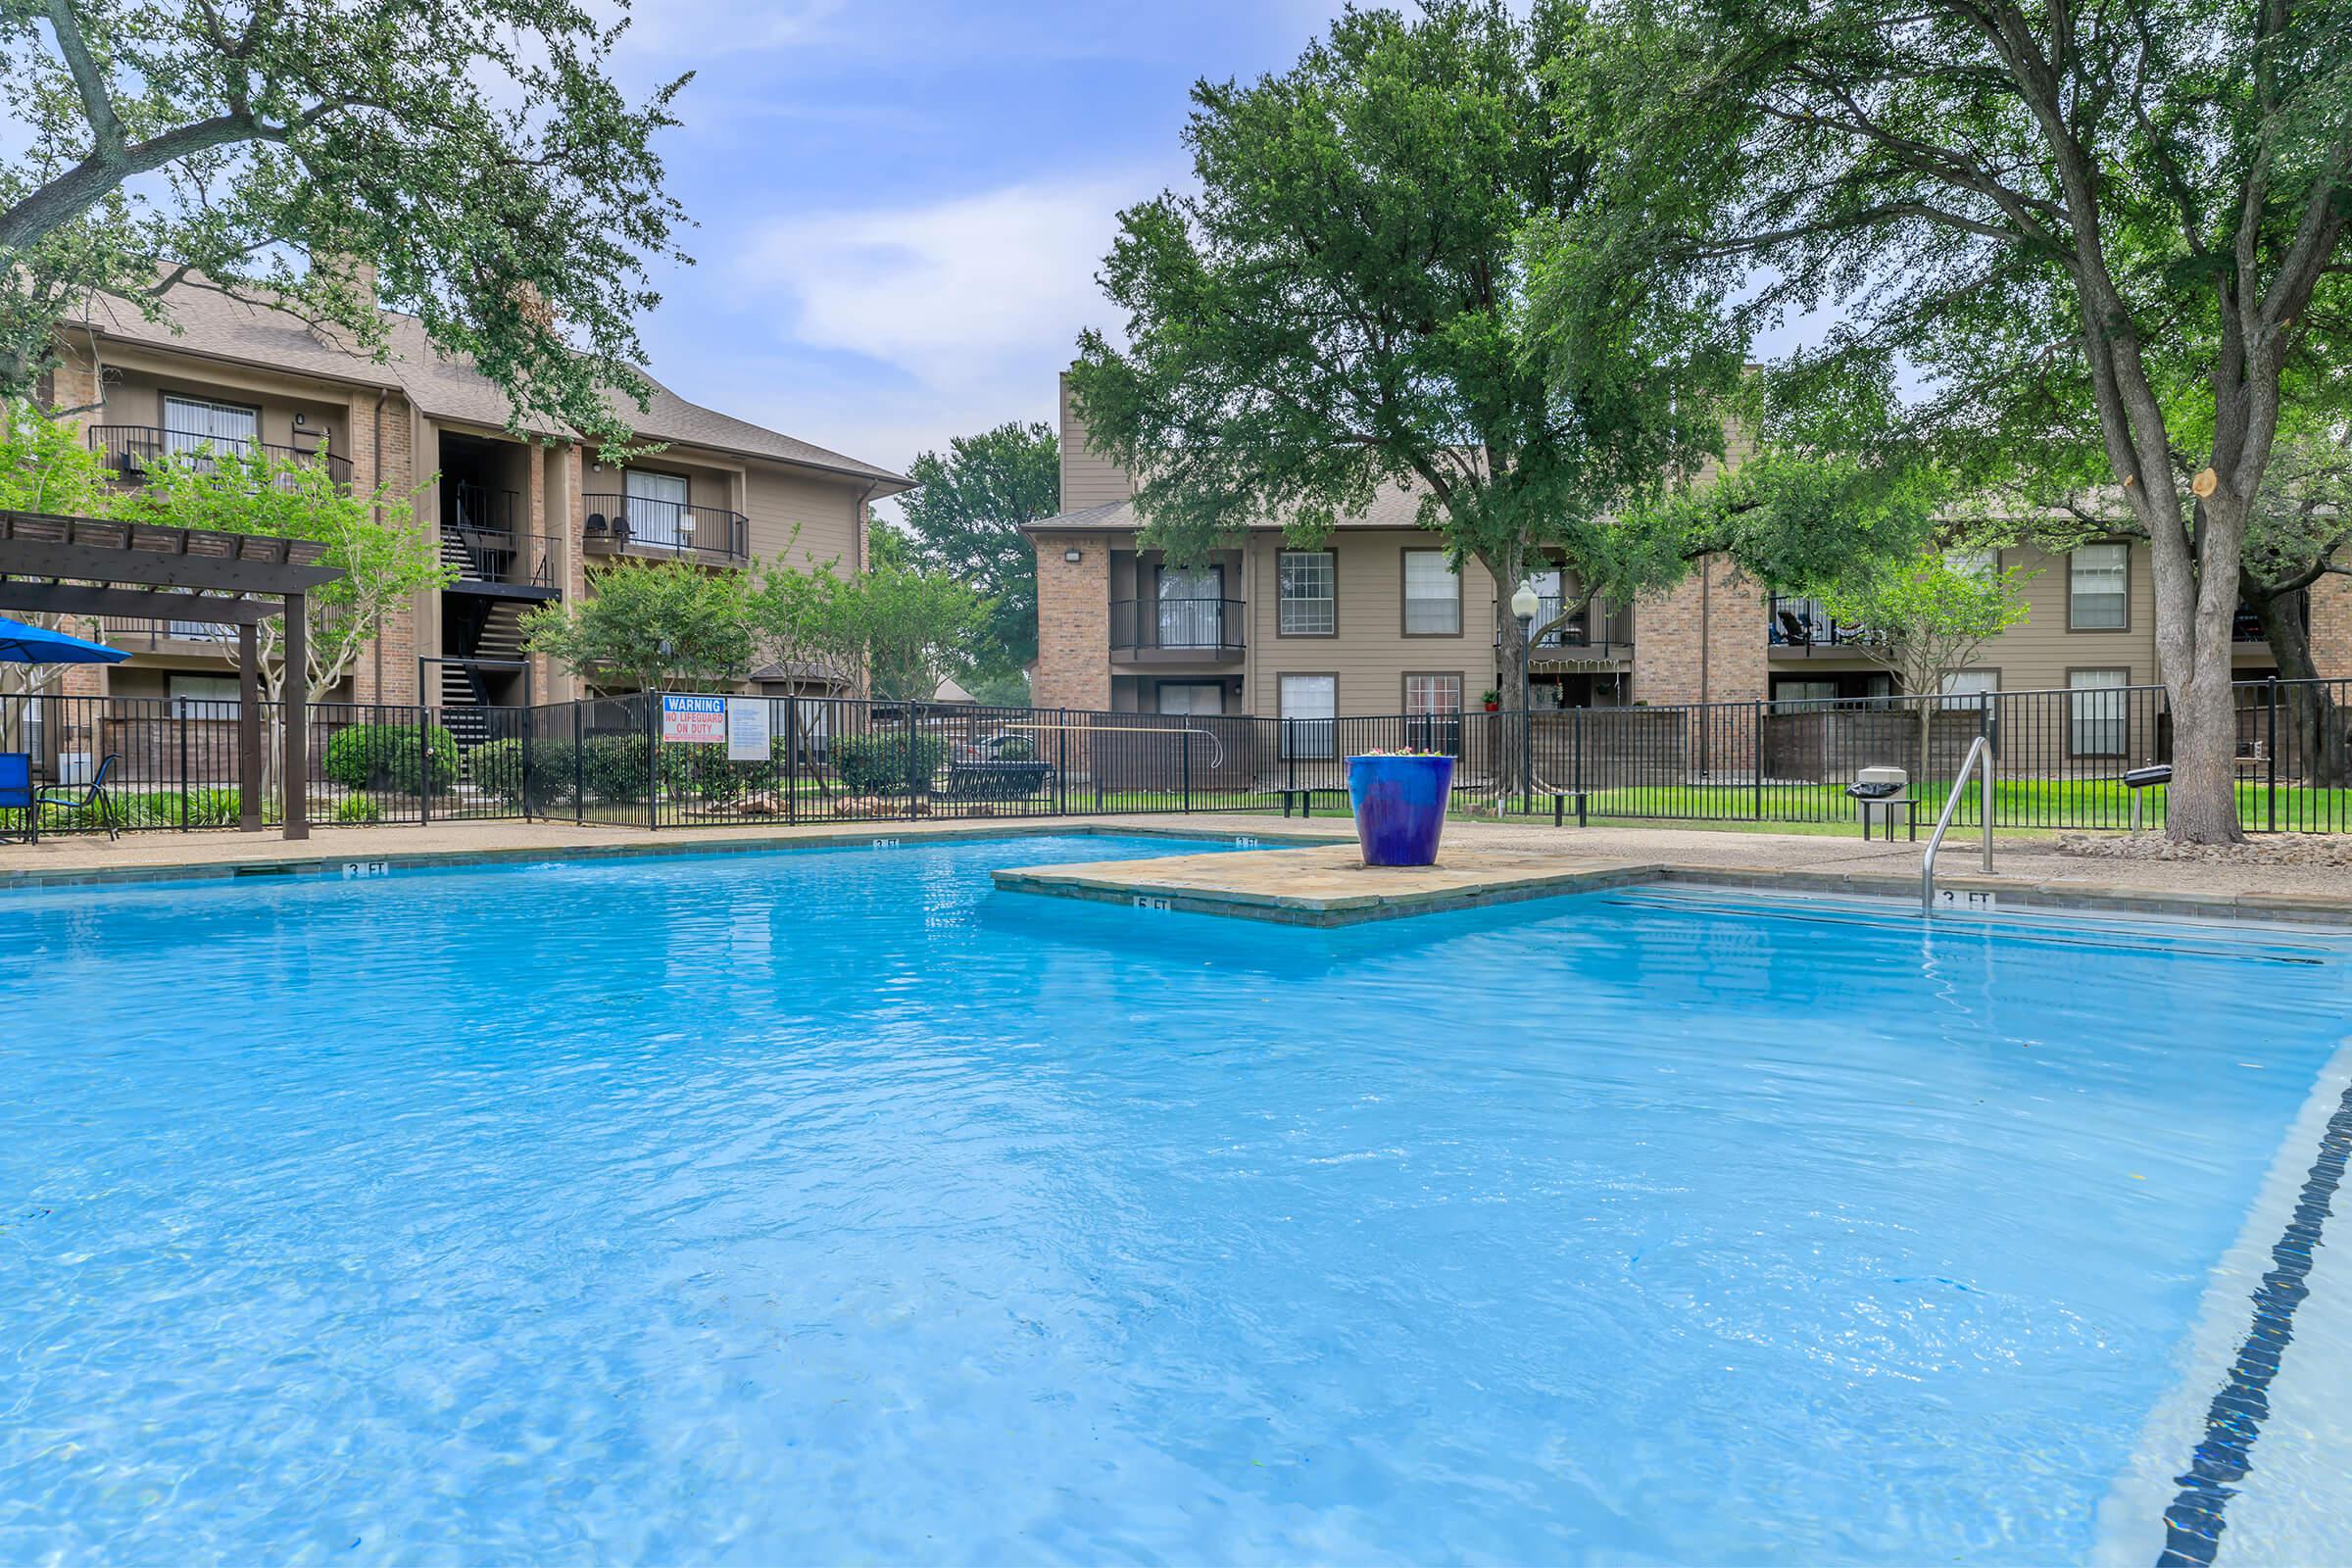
2201	803
1511	767
2319	730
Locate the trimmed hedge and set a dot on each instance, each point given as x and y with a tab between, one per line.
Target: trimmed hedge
878	763
387	757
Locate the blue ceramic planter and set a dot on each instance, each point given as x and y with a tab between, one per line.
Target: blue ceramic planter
1399	807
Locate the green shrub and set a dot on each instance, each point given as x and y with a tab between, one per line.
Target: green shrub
877	764
357	810
387	757
612	768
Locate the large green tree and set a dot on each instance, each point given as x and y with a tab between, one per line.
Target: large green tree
965	521
1343	304
650	628
475	154
2107	241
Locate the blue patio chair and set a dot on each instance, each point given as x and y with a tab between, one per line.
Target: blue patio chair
16	795
91	797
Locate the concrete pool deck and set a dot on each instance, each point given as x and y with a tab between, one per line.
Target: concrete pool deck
1305	873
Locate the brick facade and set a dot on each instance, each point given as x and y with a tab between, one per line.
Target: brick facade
2331	627
1702	641
1073	622
387	671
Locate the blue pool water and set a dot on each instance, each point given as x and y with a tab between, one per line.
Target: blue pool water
830	1206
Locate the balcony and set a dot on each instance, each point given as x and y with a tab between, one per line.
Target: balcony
2246	627
1801	627
633	525
1594	634
485	542
138	636
128	449
1175	631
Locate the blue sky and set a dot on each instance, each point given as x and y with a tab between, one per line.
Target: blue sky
902	203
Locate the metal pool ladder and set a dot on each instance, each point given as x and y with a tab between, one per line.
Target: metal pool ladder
1980	759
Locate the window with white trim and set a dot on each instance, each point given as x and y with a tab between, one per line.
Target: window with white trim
1433	694
1974	563
658	511
192	424
1432	595
1309	592
2098	711
1961	688
1307	706
2099	588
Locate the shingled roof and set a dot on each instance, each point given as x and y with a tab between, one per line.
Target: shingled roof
1394	506
214	324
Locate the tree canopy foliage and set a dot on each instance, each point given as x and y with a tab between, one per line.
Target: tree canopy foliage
966	522
651	626
2106	242
1341	307
476	155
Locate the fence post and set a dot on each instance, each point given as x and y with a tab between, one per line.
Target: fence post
1756	717
580	768
425	766
183	770
652	761
907	711
1186	743
524	728
792	759
2271	769
1580	763
1061	765
1289	753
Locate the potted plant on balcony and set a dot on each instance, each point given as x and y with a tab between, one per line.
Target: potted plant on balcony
1492	698
1399	801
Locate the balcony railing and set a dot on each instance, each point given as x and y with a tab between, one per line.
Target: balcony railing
637	527
1205	628
2246	627
499	556
128	449
1802	625
132	635
1593	632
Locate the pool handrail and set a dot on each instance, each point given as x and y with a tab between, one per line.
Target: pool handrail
1980	752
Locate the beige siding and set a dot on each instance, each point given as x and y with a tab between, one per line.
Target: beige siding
2037	654
1087	478
134	396
826	511
1370	655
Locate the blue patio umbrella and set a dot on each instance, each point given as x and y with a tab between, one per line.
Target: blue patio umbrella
21	644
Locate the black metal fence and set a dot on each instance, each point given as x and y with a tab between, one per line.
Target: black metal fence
2061	759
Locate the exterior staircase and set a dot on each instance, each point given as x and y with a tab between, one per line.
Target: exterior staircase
463	692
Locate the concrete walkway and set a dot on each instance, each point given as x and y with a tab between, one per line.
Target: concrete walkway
1500	859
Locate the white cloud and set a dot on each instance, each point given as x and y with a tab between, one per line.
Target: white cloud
949	291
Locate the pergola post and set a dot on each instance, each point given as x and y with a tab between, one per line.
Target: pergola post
298	719
249	730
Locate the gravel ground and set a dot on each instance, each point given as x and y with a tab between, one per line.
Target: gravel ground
2283	848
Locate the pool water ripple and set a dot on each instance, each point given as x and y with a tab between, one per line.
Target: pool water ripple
831	1205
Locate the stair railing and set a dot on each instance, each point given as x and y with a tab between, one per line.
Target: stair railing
1978	757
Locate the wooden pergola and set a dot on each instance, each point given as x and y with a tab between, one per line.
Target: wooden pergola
98	567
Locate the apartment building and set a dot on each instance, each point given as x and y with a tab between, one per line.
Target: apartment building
1372	621
517	520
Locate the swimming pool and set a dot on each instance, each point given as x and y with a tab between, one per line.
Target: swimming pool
831	1205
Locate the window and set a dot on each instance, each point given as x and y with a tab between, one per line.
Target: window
1310	593
1796	696
1308	703
204	696
1192	605
193	423
658	511
1962	687
1433	694
1192	697
2098	588
1974	563
2099	713
1432	595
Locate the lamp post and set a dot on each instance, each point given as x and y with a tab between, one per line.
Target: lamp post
1524	604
